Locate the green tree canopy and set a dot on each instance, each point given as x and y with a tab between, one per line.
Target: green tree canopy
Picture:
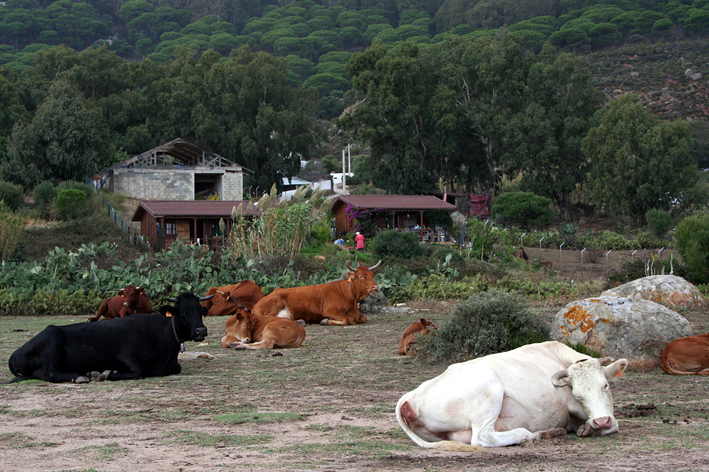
548	133
638	161
66	140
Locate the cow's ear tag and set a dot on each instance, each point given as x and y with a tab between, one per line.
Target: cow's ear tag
168	314
618	373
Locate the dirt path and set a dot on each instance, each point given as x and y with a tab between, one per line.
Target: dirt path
327	406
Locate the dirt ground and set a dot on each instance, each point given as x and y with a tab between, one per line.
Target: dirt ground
326	406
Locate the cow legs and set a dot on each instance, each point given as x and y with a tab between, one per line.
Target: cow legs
335	319
488	406
265	344
101	312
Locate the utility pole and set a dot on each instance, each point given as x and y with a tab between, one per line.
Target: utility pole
344	175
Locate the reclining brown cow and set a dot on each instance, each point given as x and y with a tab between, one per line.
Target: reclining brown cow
129	301
333	303
229	299
248	331
687	356
419	328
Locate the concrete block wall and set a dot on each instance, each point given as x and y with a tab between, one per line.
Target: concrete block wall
155	184
232	186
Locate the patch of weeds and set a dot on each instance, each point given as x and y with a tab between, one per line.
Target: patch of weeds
40	444
256	417
108	421
355	440
319	427
82	470
14	439
373	447
216	440
373	411
175	414
105	452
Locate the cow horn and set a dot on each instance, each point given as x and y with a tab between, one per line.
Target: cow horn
556	379
201	299
604	361
349	266
375	265
173	300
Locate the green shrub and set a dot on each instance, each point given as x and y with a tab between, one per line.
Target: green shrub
71	204
660	222
481	237
86	189
692	236
647	240
12	195
44	194
611	240
524	208
397	244
484	324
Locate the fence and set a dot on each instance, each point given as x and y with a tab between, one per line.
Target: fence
134	237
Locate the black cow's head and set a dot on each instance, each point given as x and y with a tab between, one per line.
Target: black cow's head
187	313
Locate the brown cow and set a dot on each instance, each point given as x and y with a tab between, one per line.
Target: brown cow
687	356
228	299
419	328
218	293
248	331
129	301
333	303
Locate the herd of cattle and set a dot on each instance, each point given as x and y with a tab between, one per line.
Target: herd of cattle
536	391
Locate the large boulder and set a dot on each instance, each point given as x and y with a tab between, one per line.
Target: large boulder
620	327
668	290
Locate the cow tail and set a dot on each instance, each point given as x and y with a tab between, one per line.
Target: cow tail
442	445
17	379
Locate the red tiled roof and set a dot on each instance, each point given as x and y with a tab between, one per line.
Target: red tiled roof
395	202
190	208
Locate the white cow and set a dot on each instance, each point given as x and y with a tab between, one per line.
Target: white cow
536	391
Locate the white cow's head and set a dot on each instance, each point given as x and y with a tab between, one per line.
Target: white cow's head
588	379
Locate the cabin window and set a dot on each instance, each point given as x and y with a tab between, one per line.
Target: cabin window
170	229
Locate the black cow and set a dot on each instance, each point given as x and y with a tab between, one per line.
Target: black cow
142	345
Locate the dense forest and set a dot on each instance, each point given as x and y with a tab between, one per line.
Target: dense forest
438	95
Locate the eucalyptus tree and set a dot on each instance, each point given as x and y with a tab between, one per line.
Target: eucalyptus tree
492	91
547	134
258	119
638	161
409	119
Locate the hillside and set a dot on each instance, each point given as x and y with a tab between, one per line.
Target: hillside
318	38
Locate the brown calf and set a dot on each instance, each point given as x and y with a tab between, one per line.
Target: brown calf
129	301
419	328
248	331
687	356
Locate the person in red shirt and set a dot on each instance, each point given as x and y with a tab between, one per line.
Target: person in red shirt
359	239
